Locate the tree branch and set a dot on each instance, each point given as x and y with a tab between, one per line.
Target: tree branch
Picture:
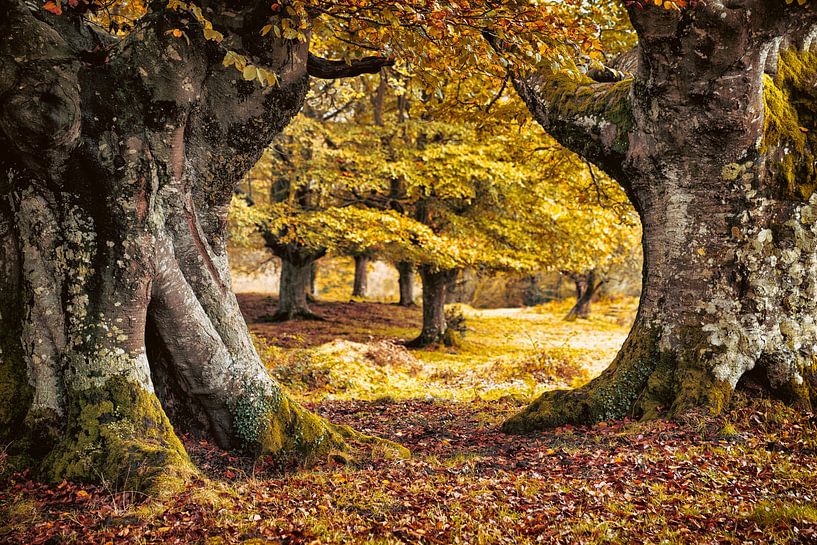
589	118
318	67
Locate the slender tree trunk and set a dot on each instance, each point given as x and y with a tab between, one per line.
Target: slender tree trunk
406	283
435	288
586	288
116	310
361	276
725	196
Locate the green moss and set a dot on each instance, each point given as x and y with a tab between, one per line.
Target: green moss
698	390
790	131
642	381
575	97
295	434
15	392
119	434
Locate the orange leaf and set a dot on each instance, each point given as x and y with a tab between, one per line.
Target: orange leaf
53	8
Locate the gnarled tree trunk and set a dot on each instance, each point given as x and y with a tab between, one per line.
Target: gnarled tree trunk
361	282
116	310
405	280
723	185
435	288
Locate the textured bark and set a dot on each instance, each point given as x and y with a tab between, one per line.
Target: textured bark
730	271
435	287
586	288
361	282
295	287
116	308
405	271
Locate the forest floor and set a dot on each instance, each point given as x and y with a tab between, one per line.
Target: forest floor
748	476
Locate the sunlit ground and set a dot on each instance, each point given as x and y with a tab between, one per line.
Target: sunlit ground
356	354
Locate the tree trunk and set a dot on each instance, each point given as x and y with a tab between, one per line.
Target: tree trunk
435	287
406	282
361	276
729	235
295	286
116	309
313	282
586	288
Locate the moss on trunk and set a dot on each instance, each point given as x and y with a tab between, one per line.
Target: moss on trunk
119	434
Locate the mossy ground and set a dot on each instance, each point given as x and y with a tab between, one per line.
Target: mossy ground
745	476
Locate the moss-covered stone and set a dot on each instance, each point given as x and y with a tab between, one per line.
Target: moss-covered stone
118	433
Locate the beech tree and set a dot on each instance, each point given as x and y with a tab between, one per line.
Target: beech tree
712	140
122	154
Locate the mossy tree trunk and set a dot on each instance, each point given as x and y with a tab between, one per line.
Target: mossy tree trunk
405	271
730	271
435	288
361	282
586	287
116	311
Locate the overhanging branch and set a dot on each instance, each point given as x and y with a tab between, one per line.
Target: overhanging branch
318	67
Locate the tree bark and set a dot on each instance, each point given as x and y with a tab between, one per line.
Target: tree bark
586	288
405	271
116	309
313	283
295	287
729	251
361	282
435	288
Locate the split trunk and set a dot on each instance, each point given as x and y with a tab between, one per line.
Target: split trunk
117	319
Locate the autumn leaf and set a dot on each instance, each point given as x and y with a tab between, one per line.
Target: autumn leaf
53	7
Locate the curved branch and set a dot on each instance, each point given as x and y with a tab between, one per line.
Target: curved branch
589	118
318	67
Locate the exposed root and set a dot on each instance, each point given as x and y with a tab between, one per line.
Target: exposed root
424	341
297	434
287	315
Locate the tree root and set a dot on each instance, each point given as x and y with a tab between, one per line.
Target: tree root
286	316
